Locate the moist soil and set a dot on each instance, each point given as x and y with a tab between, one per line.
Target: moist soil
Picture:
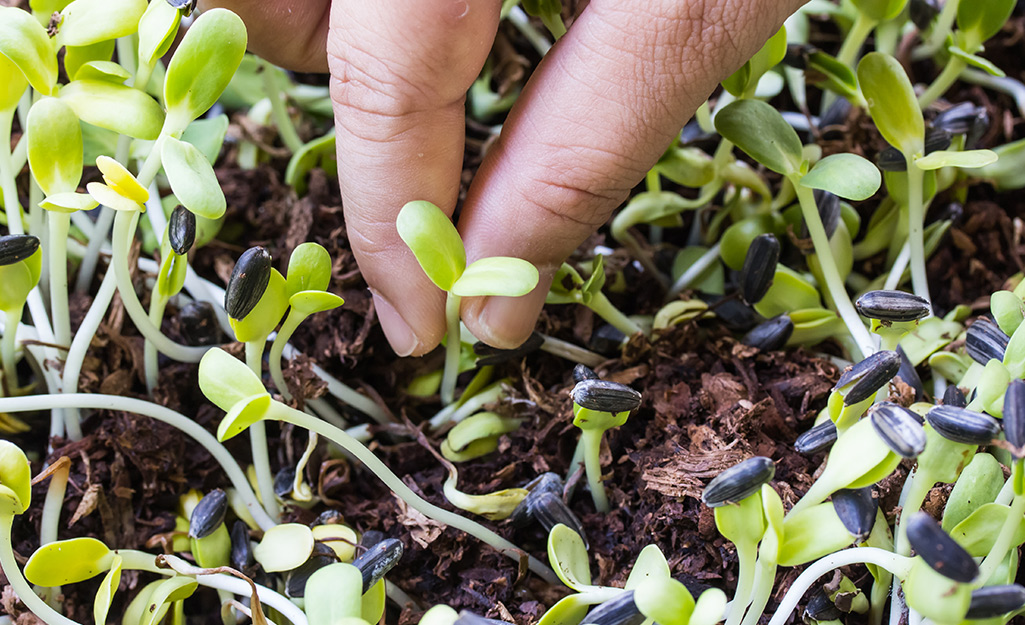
708	400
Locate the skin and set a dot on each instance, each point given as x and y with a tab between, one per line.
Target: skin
595	116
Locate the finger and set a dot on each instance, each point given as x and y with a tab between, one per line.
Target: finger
399	74
288	33
595	116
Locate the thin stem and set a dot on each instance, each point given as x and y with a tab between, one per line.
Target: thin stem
940	30
278	110
54	501
898	565
454	413
452	346
8	348
747	554
177	420
292	322
693	272
1003	84
345	441
955	65
522	23
900	265
916	236
12	205
571	352
18	582
591	442
1004	541
157	305
765	574
258	437
59	224
917	489
604	309
855	39
834	283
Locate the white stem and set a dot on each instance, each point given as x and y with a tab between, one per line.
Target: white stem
87	269
258	438
900	264
694	272
522	23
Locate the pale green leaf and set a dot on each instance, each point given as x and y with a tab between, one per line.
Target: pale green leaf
25	43
978	484
949	158
938	598
287	546
827	71
18	280
262	320
15	474
709	608
68	562
55	149
164	594
650	564
880	10
69	202
85	22
226	380
157	28
977	61
979	530
77	56
497	275
192	179
569	610
433	239
334	593
105	593
310	302
440	614
108	71
568	557
892	102
243	414
665	600
848	175
202	66
760	131
12	84
983	19
114	107
207	135
309	269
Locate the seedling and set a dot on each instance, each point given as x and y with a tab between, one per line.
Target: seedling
568	287
434	241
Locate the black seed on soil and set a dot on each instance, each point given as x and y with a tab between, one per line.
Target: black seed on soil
375	562
488	355
198	324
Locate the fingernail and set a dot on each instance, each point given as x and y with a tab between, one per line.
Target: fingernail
507	321
397	331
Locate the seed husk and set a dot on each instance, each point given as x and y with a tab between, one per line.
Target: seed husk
759	268
994	601
939	550
295	582
181	230
208	514
471	618
797	55
818	438
891	159
606	340
900	428
770	335
828	205
545	483
733	313
953	396
241	547
583	372
820	608
836	115
962	425
923	12
15	248
857	511
958	119
620	610
868	376
909	375
185	6
375	562
284	481
738	482
248	281
549	509
488	355
1014	416
371	538
893	306
984	341
197	322
605	396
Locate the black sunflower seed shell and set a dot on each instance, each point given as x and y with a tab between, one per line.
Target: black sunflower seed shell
371	538
549	509
241	547
962	425
470	618
979	127
836	115
868	376
295	581
488	355
985	341
248	281
958	119
817	439
857	511
374	563
620	610
770	335
820	608
1014	414
606	340
15	248
923	12
797	55
545	483
329	517
909	375
283	482
181	230
830	211
738	482
953	396
185	6
893	306
936	139
606	396
939	550
994	601
759	268
900	428
583	372
891	159
208	514
197	322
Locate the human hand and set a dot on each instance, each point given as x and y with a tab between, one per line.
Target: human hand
597	113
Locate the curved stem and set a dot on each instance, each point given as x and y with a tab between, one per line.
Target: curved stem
604	309
18	582
1004	541
452	347
12	205
917	489
160	413
955	65
84	336
9	349
571	352
292	322
916	229
591	441
59	224
284	413
694	272
258	437
747	553
855	39
87	270
898	565
157	304
940	29
455	413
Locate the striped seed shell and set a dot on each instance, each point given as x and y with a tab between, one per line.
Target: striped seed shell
958	119
828	205
181	230
545	483
295	580
549	509
820	608
283	482
583	372
863	379
836	115
605	396
620	610
984	341
488	355
607	340
375	562
208	514
770	335
939	550
241	547
909	375
15	248
738	482
759	268
819	438
962	425
857	511
470	618
893	306
994	601
900	428
197	322
247	283
953	396
1014	415
185	6
891	159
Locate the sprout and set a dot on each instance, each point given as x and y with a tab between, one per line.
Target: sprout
861	381
248	281
962	425
939	550
738	482
899	428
